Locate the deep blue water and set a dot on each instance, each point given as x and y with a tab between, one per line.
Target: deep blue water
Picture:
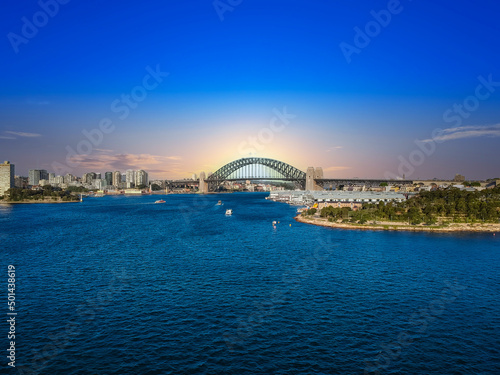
120	285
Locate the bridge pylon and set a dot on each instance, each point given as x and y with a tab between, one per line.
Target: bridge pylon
203	185
311	176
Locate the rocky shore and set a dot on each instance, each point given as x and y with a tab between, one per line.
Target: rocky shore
453	227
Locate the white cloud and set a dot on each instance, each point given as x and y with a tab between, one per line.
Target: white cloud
23	134
467	132
103	160
2	137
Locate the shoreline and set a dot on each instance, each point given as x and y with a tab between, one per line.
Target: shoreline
37	202
482	228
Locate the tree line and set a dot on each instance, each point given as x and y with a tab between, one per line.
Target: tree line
429	207
54	193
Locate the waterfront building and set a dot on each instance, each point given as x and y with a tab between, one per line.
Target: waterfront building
58	180
87	178
6	177
108	176
68	178
98	183
336	198
141	178
130	178
35	175
117	178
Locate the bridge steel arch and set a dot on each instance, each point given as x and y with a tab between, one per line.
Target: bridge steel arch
288	172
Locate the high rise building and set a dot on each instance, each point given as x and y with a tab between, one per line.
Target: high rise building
117	178
99	183
33	176
108	176
68	178
88	177
130	178
6	177
141	178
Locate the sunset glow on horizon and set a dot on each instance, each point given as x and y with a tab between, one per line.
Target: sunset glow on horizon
186	93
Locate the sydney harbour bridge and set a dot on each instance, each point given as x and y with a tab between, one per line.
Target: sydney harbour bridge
264	169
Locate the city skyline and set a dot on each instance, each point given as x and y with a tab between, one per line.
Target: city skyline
311	85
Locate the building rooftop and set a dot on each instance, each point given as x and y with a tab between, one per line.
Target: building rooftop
343	195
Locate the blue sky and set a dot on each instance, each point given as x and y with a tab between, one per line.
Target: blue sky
356	117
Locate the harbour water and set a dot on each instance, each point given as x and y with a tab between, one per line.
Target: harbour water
121	285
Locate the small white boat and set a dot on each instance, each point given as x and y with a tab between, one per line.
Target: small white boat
229	212
219	203
160	201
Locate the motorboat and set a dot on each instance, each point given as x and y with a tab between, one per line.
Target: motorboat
219	203
160	201
229	212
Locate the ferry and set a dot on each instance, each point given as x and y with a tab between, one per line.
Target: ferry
160	201
229	212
